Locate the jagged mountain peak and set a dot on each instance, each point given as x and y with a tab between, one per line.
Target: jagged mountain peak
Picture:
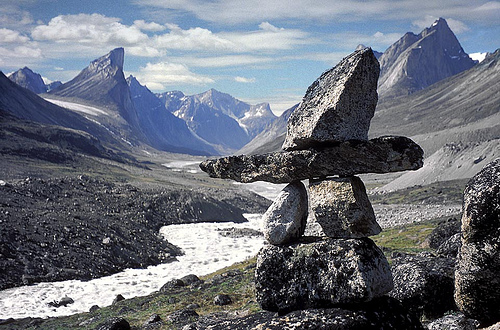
415	62
108	64
28	79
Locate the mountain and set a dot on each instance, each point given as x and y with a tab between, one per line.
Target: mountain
219	118
53	85
28	79
102	84
415	62
271	138
36	127
456	121
163	130
377	54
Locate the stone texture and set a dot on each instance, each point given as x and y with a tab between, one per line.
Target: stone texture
379	155
285	220
338	106
380	313
477	283
342	208
424	283
453	322
320	273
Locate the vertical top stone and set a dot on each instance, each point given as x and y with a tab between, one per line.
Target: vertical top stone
338	106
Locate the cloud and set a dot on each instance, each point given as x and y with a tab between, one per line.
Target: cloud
10	36
247	11
245	80
455	25
192	39
266	38
94	29
152	26
11	16
224	60
159	75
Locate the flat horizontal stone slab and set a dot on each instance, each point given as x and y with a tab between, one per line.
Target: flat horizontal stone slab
380	155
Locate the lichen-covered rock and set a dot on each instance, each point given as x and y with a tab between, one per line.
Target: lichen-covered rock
285	220
380	313
455	321
338	106
443	231
424	283
477	280
320	273
450	247
380	155
114	323
342	208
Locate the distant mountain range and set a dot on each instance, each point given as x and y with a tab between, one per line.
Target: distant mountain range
219	118
429	89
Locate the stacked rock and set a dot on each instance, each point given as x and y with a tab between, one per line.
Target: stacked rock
326	143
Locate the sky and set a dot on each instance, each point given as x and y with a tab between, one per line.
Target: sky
255	50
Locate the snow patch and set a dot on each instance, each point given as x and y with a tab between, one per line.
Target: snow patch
79	107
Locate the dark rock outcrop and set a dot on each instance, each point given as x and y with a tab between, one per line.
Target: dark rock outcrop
453	321
379	155
285	220
477	284
338	106
424	284
114	323
380	313
222	300
317	274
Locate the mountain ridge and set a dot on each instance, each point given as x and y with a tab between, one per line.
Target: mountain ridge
415	62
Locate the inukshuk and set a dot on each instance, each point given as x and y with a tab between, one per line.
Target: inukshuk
326	143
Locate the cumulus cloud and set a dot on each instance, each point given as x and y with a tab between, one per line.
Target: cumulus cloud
10	36
157	76
244	80
89	29
152	26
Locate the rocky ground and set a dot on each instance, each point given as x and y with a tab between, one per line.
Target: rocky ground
80	227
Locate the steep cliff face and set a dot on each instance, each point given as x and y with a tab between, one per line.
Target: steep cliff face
103	84
418	61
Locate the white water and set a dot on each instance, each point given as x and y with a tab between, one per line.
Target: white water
205	251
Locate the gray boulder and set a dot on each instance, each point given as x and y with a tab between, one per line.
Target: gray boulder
380	155
114	323
455	321
342	208
424	283
380	313
285	220
450	247
338	106
477	280
320	273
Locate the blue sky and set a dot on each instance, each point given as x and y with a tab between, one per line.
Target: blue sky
258	51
